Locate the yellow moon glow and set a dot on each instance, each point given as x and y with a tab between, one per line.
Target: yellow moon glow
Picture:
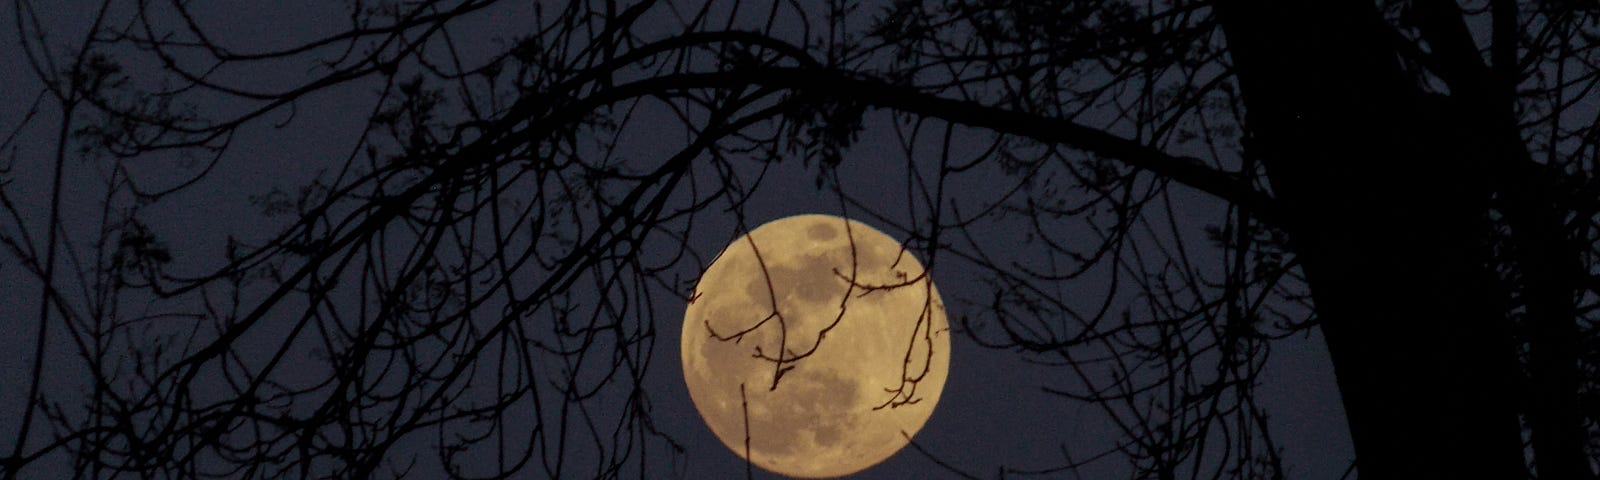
877	371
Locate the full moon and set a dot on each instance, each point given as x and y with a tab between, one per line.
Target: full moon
817	344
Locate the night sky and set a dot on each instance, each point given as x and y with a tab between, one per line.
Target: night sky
994	412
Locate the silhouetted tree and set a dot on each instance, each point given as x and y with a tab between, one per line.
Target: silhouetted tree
478	271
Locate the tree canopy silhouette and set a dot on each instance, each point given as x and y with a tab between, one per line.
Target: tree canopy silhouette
479	265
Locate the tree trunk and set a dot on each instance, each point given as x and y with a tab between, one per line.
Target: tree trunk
1388	219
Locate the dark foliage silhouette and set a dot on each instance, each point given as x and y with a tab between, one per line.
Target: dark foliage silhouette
479	270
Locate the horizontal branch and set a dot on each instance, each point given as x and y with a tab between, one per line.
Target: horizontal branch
1188	171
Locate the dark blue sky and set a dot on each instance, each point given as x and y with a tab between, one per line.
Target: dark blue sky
993	412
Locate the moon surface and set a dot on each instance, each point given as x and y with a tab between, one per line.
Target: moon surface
862	361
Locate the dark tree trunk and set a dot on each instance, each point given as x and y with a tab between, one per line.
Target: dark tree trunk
1389	219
